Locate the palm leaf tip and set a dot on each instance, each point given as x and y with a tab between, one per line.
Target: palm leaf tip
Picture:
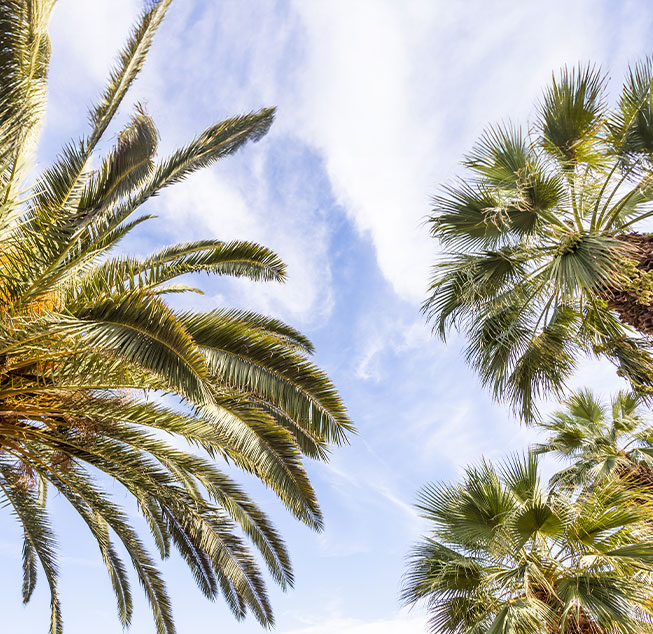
214	143
571	110
130	63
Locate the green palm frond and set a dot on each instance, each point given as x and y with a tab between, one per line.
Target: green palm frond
631	125
540	224
24	60
213	144
65	177
126	167
571	113
38	538
101	380
238	259
130	63
261	362
68	235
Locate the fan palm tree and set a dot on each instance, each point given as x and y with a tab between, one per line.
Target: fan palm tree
504	555
542	264
95	364
602	442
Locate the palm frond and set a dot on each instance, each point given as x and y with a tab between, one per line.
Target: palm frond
38	534
570	113
129	64
25	47
631	125
601	441
213	144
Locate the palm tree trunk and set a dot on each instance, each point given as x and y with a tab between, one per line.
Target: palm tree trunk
637	476
634	300
581	624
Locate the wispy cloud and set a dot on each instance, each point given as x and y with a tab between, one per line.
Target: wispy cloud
394	93
400	624
352	483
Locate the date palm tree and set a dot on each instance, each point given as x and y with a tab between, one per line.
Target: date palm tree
542	264
102	381
504	555
601	442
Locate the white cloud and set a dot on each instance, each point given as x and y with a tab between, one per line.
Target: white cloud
87	37
400	624
368	366
380	334
210	205
101	27
356	106
394	93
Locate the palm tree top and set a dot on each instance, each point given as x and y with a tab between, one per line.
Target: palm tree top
600	440
87	335
504	554
540	264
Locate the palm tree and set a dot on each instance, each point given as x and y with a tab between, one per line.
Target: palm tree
602	442
503	555
541	263
95	365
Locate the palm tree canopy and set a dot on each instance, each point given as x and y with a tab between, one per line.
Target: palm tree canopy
86	336
601	441
540	259
505	555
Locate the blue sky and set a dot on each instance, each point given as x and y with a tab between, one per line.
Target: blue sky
377	102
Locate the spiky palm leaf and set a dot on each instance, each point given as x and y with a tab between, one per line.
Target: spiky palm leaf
85	336
539	265
504	555
600	441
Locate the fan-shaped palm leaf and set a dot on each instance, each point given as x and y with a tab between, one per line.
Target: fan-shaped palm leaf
601	441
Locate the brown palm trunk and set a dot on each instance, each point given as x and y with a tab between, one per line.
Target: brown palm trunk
582	624
631	302
637	476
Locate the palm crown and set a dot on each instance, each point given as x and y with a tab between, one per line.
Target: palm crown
541	265
85	336
504	555
601	442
